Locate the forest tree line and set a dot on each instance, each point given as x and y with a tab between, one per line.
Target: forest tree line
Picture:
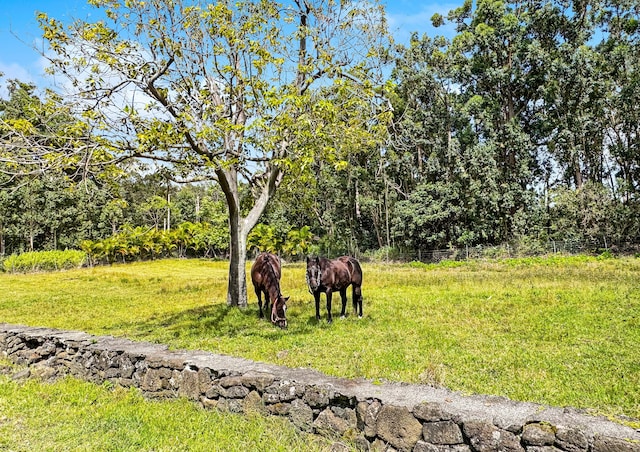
521	126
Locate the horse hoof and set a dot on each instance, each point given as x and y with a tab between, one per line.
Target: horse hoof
343	316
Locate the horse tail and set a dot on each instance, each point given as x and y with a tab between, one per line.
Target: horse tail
355	271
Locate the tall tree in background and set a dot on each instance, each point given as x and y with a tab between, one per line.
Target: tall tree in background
621	65
427	161
467	115
225	90
48	191
532	103
574	96
500	70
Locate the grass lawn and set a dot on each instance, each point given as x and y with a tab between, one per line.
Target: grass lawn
72	415
561	330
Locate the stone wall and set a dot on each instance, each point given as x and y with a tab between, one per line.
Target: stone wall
390	416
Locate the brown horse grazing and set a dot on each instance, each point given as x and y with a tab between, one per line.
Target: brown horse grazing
328	276
265	275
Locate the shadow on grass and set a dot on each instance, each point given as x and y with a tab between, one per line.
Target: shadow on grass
217	321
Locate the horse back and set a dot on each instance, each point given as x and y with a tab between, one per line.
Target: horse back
265	267
353	266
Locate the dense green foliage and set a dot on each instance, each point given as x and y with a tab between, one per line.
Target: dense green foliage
44	261
535	329
519	124
74	415
517	127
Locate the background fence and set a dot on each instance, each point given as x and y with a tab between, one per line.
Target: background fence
501	251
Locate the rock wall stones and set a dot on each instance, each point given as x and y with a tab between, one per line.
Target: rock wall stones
380	417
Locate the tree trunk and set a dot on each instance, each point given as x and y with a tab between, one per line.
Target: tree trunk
237	290
240	227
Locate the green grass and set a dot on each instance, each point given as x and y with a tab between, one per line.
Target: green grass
562	331
73	415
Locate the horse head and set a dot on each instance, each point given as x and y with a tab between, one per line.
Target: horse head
279	311
314	273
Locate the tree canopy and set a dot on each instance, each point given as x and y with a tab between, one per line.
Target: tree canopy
236	92
521	127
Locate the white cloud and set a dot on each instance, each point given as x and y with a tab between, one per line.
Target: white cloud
13	71
27	70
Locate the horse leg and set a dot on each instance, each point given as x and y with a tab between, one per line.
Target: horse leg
357	299
266	303
329	317
259	295
316	296
343	296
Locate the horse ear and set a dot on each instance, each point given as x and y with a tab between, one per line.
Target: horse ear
286	299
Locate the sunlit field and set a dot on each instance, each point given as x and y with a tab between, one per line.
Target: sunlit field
561	331
72	415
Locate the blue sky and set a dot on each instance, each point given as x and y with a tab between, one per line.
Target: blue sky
19	30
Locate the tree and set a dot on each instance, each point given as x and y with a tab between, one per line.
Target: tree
227	91
48	195
42	134
298	242
434	177
574	99
620	65
500	70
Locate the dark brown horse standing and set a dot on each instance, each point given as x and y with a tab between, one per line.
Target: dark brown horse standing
328	276
265	275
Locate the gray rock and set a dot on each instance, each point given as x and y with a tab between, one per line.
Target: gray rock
422	446
329	425
257	380
317	397
485	437
398	427
252	403
301	415
571	440
156	379
279	409
606	444
444	432
367	415
538	435
431	412
234	392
